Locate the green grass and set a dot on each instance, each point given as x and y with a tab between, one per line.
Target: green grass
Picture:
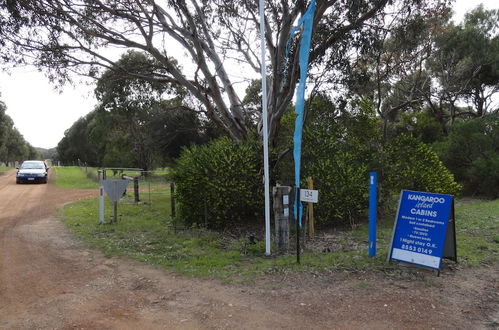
144	232
5	169
74	177
477	230
87	177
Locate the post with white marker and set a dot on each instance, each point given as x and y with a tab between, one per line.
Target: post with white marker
101	198
372	213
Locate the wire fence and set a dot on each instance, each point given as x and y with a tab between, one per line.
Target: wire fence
143	185
145	189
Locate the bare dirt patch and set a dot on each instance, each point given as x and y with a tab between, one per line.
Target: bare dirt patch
48	280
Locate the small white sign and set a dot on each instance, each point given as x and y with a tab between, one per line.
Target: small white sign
285	199
310	196
286	212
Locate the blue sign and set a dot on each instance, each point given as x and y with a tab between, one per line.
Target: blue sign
420	228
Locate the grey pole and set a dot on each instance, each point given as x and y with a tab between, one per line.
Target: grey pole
265	130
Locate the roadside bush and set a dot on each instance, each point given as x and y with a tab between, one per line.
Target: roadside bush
471	152
220	180
338	152
413	165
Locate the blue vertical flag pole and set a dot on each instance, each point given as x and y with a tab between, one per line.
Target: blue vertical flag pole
372	213
307	21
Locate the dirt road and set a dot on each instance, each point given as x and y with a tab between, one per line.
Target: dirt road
48	280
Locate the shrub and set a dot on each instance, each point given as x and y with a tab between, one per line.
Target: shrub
413	165
471	152
338	152
222	179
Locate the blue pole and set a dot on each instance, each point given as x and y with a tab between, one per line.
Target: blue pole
372	213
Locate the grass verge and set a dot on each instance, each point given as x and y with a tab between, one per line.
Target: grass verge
87	177
73	177
144	232
4	169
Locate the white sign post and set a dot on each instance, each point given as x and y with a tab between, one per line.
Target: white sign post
115	190
101	205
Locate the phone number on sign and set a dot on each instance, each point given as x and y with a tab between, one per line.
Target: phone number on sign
416	249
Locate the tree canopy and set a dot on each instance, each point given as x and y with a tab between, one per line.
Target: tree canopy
207	47
432	65
137	123
13	147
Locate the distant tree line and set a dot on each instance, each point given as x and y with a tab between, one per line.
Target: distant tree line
137	123
13	147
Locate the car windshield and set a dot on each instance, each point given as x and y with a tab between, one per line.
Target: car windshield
32	166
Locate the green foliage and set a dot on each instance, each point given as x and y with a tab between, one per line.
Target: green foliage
338	152
138	123
339	149
76	145
477	228
466	61
421	125
471	152
13	147
220	182
413	165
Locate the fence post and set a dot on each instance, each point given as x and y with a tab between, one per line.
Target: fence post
136	189
172	198
115	211
101	198
372	213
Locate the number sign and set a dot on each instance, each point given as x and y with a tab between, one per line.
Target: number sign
308	195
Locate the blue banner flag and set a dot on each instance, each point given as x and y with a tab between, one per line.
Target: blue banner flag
306	21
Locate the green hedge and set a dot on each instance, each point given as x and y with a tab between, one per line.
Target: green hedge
413	165
340	151
471	151
219	183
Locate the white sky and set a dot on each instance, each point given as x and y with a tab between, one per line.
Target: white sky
42	114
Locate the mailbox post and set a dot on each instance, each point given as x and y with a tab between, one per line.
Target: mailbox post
281	205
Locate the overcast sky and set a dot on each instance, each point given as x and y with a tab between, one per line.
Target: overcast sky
42	114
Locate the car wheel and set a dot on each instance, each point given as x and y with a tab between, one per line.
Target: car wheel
18	181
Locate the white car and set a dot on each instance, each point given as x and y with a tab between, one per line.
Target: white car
32	171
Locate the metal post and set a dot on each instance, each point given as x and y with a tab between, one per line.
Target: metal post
372	213
297	220
265	129
101	199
